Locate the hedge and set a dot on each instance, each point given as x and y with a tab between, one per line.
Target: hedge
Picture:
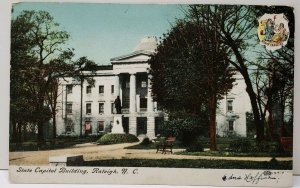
117	138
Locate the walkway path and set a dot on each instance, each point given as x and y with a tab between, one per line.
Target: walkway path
92	151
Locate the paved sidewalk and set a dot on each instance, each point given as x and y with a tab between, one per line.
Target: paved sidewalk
92	151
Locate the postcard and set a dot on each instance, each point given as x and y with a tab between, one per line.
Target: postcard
175	94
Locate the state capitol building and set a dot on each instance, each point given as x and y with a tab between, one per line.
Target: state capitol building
128	78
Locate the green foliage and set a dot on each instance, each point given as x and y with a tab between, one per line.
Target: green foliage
192	163
62	141
117	138
38	60
146	141
185	129
191	70
195	147
240	145
269	147
183	65
250	124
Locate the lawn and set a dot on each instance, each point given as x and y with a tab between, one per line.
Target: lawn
177	145
224	149
192	163
60	143
222	144
234	154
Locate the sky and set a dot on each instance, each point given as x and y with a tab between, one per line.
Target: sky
105	31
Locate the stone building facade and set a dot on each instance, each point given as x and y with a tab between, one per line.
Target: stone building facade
231	112
128	78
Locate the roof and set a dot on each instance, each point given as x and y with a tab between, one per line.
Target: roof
147	47
104	67
98	67
147	44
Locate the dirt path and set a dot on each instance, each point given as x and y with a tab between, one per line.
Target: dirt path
100	152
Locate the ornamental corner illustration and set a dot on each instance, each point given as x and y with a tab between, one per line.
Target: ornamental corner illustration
273	31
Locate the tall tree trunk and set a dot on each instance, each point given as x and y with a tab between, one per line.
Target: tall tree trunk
259	124
212	121
40	122
19	131
14	131
271	133
54	127
81	93
24	132
40	133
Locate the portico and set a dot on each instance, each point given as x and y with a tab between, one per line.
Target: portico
133	85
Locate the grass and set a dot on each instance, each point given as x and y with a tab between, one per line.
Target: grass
234	154
60	143
223	145
177	145
191	163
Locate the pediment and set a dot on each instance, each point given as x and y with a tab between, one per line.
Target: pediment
133	57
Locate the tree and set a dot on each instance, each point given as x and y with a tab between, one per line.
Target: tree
234	25
21	101
81	65
38	63
190	72
279	67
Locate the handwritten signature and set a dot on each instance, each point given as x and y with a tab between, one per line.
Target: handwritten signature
253	178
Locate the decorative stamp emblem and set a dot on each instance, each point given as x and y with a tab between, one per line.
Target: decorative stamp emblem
273	31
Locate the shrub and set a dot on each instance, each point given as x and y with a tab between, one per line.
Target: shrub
195	148
240	145
146	141
185	129
269	147
117	138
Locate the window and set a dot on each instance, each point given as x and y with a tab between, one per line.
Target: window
88	89
229	105
143	84
112	108
143	102
69	108
230	127
88	108
101	108
88	127
69	125
127	85
100	126
101	89
69	89
112	88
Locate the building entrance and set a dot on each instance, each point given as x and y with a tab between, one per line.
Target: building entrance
141	125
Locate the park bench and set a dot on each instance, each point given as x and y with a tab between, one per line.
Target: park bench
287	143
165	145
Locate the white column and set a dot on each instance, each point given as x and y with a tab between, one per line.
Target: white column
151	127
132	85
149	95
138	103
117	85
